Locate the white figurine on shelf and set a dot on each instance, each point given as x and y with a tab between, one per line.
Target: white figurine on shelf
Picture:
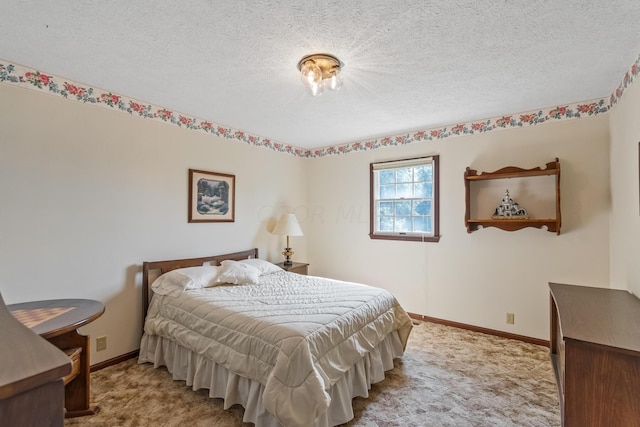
509	209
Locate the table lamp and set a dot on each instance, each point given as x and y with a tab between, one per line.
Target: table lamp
288	226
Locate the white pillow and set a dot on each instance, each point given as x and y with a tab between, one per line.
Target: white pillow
265	267
238	273
177	281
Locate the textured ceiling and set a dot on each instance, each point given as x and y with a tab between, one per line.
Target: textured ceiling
409	65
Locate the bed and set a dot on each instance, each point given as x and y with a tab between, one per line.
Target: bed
293	350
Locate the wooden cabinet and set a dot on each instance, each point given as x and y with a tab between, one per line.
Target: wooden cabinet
595	351
31	372
296	267
57	321
480	198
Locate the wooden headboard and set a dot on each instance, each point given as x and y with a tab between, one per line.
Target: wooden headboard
161	267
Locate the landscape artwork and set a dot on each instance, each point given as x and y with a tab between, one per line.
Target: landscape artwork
211	196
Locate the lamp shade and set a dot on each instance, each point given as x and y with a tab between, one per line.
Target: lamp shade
288	226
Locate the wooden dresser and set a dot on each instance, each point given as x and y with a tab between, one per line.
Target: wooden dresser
31	372
58	321
595	351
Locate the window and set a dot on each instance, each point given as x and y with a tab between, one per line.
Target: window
404	200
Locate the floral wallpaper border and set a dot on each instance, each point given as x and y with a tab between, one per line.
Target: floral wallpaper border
628	78
34	79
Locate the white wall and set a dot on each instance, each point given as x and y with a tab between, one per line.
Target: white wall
625	194
88	194
472	278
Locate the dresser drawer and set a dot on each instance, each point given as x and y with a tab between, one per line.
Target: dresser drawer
74	355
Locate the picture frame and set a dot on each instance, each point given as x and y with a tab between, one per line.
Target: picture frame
211	196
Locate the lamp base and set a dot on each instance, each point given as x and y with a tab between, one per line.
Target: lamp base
287	256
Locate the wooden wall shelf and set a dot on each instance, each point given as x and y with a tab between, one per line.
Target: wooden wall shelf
472	175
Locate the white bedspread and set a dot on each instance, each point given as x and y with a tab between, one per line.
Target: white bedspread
296	335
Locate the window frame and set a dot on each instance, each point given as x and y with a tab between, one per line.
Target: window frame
435	161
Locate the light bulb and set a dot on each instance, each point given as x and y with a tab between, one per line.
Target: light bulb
310	74
334	82
317	88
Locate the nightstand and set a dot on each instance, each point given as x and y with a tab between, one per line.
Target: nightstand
296	267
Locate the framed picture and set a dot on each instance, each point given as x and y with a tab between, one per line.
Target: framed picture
211	196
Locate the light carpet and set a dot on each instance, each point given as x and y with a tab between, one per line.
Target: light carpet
447	377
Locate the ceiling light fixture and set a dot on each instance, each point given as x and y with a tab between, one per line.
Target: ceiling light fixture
320	71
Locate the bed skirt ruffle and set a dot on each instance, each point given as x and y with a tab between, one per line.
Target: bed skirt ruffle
200	372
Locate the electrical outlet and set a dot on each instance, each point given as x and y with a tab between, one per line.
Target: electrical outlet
511	318
101	343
